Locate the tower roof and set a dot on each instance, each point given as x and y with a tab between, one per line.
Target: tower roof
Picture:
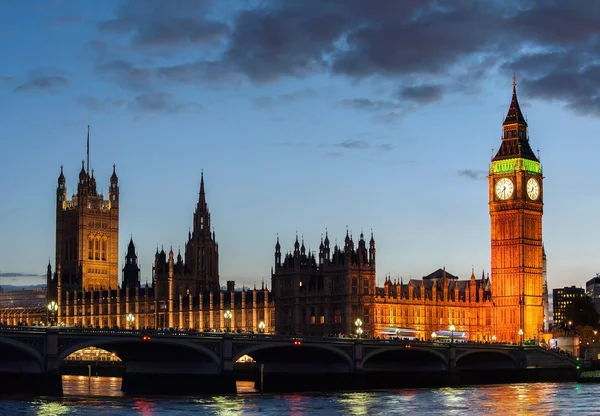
514	116
515	143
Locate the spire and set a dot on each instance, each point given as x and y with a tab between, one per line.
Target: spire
202	195
514	116
114	179
61	177
88	149
515	143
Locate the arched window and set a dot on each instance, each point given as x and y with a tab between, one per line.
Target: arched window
103	249
90	248
97	249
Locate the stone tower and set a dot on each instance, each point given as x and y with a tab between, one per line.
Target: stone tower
87	233
516	208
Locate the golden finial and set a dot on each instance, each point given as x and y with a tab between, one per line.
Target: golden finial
514	79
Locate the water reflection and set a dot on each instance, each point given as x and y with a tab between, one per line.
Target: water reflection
92	386
102	395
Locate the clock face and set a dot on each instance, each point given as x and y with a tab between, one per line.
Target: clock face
504	188
533	189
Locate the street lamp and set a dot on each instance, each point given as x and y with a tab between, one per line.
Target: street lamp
130	318
452	329
358	323
493	338
52	308
433	336
521	335
261	327
227	317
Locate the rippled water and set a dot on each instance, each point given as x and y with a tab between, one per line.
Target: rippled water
101	395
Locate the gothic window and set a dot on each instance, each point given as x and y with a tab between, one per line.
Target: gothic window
365	286
97	249
202	223
90	248
354	286
103	256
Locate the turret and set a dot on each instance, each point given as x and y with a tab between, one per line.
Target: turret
131	270
278	253
61	190
114	189
372	250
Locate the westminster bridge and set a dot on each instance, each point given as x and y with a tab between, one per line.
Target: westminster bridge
32	358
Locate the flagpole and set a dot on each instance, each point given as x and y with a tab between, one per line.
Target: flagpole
88	150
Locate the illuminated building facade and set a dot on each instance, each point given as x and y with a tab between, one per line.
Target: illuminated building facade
325	295
516	209
87	234
561	299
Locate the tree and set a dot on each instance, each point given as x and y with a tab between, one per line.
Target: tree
582	312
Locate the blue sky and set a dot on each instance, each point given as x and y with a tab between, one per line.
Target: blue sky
304	116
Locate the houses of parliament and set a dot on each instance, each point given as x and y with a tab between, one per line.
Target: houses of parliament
311	294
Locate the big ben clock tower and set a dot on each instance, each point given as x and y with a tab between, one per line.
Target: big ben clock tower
516	208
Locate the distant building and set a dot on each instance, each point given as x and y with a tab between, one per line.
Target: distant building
592	289
561	299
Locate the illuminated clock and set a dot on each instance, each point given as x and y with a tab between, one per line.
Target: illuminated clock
504	188
533	189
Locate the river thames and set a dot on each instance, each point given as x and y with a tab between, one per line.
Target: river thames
102	396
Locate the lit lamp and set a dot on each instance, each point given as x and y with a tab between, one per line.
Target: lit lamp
452	329
595	333
52	308
493	338
433	336
227	315
358	323
521	335
261	327
130	318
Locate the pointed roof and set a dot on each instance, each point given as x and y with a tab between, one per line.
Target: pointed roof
515	143
439	273
202	195
514	115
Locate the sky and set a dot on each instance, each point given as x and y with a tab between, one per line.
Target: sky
304	116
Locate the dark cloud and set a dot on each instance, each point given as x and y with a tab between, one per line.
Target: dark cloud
429	48
156	23
42	83
473	174
353	144
422	94
162	102
126	74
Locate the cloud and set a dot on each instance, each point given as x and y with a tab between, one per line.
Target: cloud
424	46
353	144
422	94
473	174
159	24
162	102
369	104
97	104
270	101
6	79
17	274
42	83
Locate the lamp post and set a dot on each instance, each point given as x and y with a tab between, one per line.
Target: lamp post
227	317
433	336
521	335
595	333
130	318
52	308
452	329
358	323
261	327
493	338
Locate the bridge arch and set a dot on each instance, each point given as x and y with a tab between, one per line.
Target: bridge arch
261	347
107	342
497	357
28	350
401	348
